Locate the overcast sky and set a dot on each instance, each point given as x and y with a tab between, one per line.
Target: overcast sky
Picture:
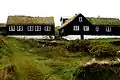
58	8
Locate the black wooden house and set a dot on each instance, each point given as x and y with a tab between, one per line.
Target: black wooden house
2	29
27	25
80	25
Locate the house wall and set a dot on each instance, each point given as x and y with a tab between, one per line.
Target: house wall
25	32
68	29
2	30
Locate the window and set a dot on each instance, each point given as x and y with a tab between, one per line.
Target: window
37	28
30	28
80	19
108	29
76	28
19	28
11	28
85	28
97	29
47	28
62	30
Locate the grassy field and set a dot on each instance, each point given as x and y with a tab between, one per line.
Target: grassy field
34	61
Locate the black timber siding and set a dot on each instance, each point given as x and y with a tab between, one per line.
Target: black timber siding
115	30
68	29
3	31
25	32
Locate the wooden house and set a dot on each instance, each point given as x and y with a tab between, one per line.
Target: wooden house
27	25
2	29
80	25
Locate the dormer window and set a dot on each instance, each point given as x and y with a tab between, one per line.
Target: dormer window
11	28
76	28
108	29
47	28
19	28
37	28
80	19
30	28
97	28
85	28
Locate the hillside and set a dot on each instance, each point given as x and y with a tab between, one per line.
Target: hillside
34	60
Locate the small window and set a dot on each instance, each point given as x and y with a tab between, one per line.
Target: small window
108	29
30	28
47	28
76	28
62	30
80	19
37	28
19	28
11	28
97	29
85	28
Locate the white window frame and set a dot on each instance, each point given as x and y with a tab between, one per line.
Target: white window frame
30	28
37	28
19	28
47	28
11	28
86	28
76	28
80	19
97	28
108	29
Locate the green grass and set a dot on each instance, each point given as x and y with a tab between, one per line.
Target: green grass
41	63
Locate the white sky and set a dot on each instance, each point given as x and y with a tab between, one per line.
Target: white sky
58	8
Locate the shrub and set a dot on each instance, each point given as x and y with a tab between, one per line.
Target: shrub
9	72
117	43
4	49
103	51
31	43
33	73
96	71
78	46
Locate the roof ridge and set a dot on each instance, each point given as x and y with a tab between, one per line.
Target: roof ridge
103	18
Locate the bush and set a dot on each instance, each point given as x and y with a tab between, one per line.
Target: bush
117	43
96	71
103	50
32	43
33	73
4	49
9	72
78	46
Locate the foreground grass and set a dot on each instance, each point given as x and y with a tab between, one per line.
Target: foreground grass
35	62
43	63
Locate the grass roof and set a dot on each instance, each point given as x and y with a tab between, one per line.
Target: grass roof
30	20
68	21
2	25
96	21
103	21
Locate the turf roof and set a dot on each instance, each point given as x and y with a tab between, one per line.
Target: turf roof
95	21
30	20
2	25
103	21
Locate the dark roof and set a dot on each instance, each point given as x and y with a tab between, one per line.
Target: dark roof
2	25
30	20
96	21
